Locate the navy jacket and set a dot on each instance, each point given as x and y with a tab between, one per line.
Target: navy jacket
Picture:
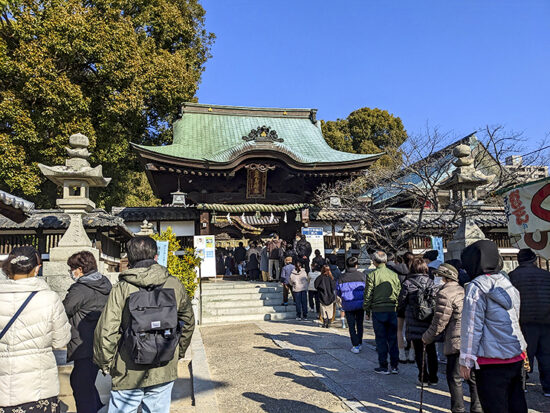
351	289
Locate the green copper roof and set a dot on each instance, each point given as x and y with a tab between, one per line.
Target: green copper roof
215	133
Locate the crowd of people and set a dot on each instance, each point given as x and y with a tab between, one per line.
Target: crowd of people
470	306
138	329
135	331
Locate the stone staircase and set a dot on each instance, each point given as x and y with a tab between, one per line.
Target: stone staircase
238	301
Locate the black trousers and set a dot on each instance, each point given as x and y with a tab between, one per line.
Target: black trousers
83	384
454	380
313	297
538	346
355	325
286	290
500	389
430	368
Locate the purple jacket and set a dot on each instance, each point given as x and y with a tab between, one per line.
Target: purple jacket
285	273
351	289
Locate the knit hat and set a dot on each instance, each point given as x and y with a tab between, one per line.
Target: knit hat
447	271
526	255
431	255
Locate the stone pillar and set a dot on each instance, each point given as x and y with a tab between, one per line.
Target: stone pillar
463	184
75	177
363	234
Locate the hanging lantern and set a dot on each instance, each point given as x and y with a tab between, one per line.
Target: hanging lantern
258	215
298	216
214	218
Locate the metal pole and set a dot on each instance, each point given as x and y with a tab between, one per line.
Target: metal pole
200	293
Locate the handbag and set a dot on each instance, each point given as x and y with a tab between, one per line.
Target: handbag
17	314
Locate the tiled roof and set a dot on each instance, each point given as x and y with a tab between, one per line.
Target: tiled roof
215	133
56	219
14	207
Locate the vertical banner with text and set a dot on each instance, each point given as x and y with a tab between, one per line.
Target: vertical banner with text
206	250
315	237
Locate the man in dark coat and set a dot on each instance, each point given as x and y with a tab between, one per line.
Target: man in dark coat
303	251
240	256
83	304
533	284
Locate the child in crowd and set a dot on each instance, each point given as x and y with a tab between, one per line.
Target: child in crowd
285	278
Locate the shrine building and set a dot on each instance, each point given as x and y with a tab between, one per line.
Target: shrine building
241	172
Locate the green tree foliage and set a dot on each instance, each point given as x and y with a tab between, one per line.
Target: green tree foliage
115	71
365	130
182	267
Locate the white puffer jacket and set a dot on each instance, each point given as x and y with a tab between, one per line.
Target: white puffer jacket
28	371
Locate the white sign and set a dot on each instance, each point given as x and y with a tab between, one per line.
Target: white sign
315	236
162	252
528	213
206	250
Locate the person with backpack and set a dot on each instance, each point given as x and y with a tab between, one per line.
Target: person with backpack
83	304
326	285
351	290
381	291
491	340
32	323
446	320
417	301
143	331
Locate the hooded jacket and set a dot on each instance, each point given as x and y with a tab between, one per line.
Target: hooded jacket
351	289
447	317
533	284
83	304
490	316
299	280
115	318
28	370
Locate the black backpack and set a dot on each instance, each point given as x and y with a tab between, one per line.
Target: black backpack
153	333
423	301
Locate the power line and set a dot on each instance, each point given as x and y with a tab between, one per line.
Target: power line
538	150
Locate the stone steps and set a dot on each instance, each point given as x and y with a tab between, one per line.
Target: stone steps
241	301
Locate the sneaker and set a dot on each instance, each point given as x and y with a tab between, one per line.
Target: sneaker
355	350
298	318
382	370
360	347
402	356
547	394
304	318
394	370
419	383
433	383
411	356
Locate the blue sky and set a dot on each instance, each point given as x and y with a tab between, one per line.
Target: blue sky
458	65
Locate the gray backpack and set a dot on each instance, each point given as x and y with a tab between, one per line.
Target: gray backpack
153	333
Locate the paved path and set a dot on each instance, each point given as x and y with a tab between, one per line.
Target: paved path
258	366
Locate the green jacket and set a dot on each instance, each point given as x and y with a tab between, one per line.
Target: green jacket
381	290
110	357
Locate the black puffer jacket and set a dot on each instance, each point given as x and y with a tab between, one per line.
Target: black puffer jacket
533	284
83	304
407	300
326	286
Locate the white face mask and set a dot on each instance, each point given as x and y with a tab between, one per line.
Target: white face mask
74	277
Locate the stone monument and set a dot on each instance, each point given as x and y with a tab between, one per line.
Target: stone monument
75	177
463	184
363	234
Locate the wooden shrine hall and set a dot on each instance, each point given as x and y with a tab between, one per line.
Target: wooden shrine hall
246	171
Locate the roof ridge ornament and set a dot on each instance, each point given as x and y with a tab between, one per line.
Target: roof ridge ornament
263	134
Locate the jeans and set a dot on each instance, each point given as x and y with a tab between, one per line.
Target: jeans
300	299
385	332
85	393
313	297
454	380
286	289
538	346
153	399
355	325
499	388
430	368
241	267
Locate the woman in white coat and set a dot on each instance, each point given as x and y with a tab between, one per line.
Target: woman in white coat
28	370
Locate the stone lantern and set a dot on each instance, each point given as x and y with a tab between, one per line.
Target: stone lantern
76	178
463	184
146	229
363	234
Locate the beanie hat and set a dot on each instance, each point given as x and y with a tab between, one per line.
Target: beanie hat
431	255
447	271
526	255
